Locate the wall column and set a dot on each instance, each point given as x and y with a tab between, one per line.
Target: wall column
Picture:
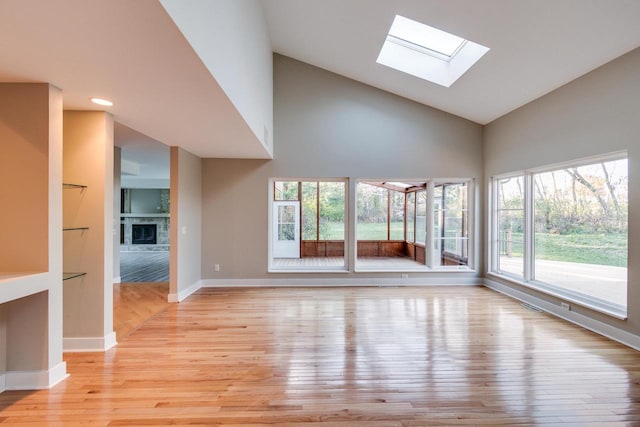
88	163
30	236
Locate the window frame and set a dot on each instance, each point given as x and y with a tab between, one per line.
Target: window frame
528	280
472	227
430	254
271	268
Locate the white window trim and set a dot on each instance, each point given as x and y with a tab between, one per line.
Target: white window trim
528	280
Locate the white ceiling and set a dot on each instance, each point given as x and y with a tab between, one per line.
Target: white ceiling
130	51
150	158
536	45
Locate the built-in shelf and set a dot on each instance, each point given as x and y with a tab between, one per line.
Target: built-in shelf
74	228
16	285
68	185
67	276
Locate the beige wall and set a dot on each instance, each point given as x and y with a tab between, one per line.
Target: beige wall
595	114
186	224
326	126
88	160
31	237
27	334
24	174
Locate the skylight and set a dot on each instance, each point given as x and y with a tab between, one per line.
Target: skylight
411	33
427	52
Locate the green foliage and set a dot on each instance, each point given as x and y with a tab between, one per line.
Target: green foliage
329	224
286	190
598	249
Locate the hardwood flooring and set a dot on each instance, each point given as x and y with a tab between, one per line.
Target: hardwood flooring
135	303
144	266
344	357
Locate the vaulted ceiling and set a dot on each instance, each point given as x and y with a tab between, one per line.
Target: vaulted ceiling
536	46
133	52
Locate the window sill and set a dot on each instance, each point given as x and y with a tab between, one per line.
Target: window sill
307	270
425	269
585	301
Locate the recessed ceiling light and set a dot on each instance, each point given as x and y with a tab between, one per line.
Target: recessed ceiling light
427	52
101	101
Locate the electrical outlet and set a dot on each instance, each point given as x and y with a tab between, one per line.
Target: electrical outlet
216	267
565	306
404	276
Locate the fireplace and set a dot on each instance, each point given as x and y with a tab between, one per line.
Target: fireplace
144	234
144	240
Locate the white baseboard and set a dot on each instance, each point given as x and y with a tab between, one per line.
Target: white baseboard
89	344
33	380
180	296
110	341
117	279
586	322
338	282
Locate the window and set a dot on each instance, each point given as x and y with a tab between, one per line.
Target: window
308	225
373	211
572	241
411	215
510	223
392	225
420	224
451	238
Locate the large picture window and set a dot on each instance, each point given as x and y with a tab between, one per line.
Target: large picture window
400	225
564	230
393	225
308	225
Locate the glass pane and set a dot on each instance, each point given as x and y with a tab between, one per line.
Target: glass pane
450	223
454	246
455	197
286	232
421	217
285	190
309	210
411	203
581	228
286	214
372	212
510	219
511	193
397	215
511	242
332	208
437	218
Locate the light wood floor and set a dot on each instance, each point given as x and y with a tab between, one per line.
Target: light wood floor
135	303
344	357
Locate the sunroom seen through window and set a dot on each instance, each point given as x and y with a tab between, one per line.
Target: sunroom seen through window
392	224
308	225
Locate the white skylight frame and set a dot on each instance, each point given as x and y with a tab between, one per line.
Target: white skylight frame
427	52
